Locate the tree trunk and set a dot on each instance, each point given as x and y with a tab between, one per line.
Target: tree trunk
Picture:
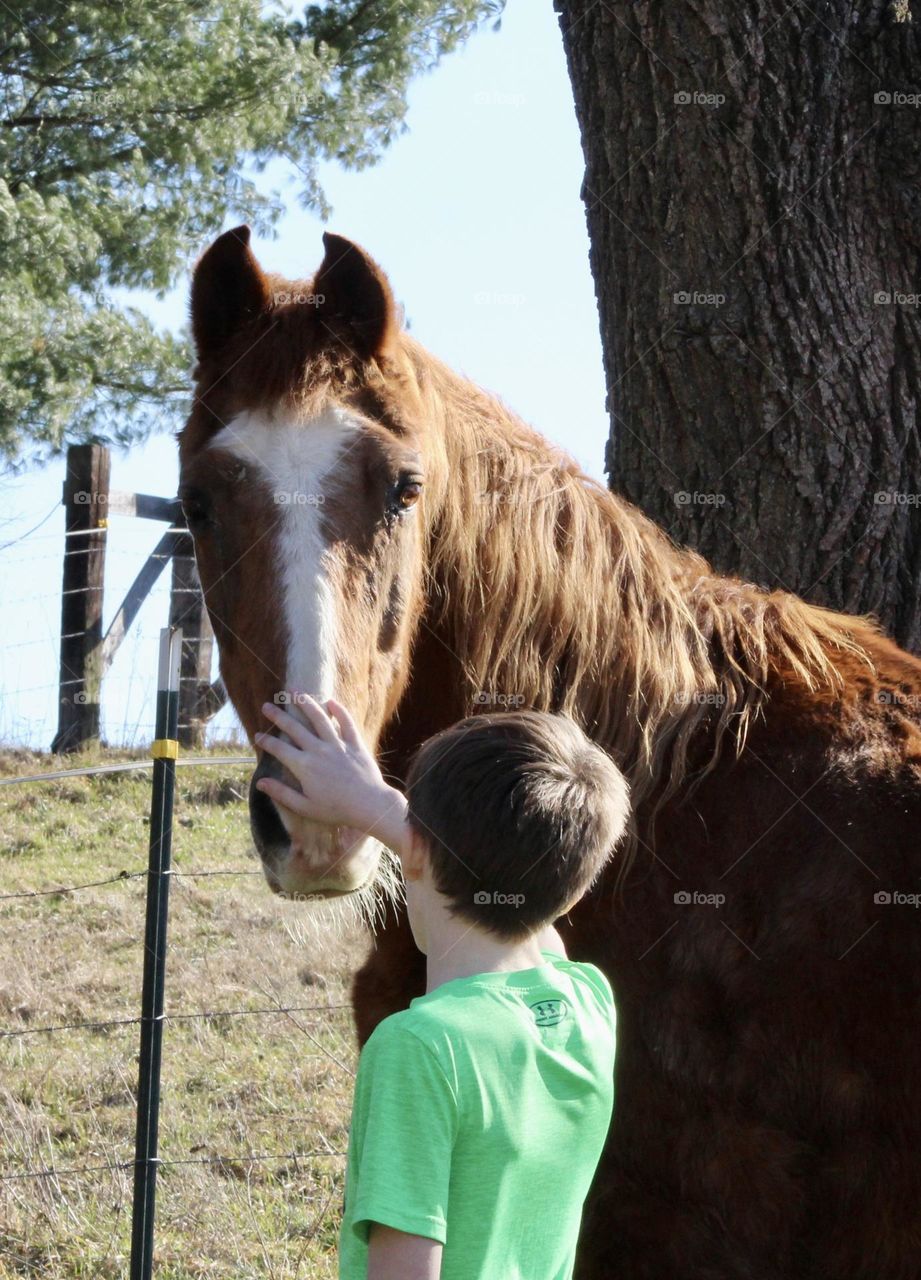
752	197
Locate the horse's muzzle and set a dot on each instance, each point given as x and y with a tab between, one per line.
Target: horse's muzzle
302	859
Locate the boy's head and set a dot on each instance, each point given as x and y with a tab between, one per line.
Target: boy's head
518	812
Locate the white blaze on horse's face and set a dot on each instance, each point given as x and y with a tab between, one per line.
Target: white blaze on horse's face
299	463
295	461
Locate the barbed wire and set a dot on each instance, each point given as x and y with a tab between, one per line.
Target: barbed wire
22	536
64	889
123	678
72	888
138	635
29	644
126	1165
111	550
95	1025
48	595
140	532
56	774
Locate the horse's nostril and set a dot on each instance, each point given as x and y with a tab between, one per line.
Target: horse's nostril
265	822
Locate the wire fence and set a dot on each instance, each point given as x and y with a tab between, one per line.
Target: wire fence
26	1163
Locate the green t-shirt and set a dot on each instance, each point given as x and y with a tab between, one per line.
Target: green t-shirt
479	1117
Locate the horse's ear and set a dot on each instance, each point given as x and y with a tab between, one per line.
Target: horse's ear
228	289
356	294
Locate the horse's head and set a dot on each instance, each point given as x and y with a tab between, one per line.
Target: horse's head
302	474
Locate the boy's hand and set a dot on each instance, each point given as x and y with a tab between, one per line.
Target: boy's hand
341	784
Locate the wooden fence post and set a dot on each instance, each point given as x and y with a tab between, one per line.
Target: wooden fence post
187	612
86	497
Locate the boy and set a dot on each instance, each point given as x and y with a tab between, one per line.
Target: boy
481	1111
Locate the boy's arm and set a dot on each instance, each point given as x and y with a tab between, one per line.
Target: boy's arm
396	1255
404	1126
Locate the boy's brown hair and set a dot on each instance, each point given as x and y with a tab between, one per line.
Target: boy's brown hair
520	811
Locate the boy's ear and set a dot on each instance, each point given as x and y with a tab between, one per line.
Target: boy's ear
415	859
228	290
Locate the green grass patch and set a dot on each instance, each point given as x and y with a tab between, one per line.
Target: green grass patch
270	1084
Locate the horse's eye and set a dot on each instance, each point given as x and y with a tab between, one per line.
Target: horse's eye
409	491
196	509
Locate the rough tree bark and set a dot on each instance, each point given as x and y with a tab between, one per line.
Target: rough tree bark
753	202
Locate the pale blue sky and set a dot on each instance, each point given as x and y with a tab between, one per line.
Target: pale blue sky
475	214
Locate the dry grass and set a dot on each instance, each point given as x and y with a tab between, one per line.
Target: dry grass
233	1087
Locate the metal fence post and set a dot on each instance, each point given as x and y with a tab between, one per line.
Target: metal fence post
165	751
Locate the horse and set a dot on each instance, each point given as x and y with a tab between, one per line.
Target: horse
371	525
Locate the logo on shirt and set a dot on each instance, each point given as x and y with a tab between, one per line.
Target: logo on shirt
547	1013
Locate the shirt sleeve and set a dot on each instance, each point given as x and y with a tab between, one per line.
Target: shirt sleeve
404	1122
600	982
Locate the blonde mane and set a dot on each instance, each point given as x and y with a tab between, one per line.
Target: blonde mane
560	595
